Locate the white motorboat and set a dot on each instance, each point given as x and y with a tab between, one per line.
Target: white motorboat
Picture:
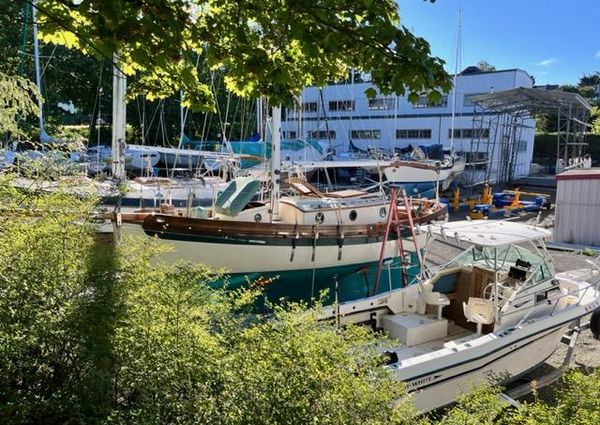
493	313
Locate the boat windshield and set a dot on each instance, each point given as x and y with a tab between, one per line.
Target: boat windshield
530	267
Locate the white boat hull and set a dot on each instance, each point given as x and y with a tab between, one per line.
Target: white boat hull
504	365
259	257
495	358
418	180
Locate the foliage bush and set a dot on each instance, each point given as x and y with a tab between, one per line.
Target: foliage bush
97	333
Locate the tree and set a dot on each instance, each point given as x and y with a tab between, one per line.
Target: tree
269	48
595	120
18	99
485	66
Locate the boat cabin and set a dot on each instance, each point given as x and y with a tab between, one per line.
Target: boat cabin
493	284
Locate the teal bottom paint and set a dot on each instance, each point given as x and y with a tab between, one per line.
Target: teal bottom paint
354	281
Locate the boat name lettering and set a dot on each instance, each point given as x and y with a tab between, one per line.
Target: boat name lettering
419	382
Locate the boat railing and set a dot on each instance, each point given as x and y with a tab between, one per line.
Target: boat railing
581	291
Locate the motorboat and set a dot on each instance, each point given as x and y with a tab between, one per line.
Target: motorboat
490	315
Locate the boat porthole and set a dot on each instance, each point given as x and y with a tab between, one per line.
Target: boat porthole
319	218
416	190
382	212
257	218
353	215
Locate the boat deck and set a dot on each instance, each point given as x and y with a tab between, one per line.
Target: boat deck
456	335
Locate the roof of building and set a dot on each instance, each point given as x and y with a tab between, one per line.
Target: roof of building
580	174
475	70
469	71
489	233
534	101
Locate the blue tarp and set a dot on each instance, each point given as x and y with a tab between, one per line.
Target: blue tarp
434	151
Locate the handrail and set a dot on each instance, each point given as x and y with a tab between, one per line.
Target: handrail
582	290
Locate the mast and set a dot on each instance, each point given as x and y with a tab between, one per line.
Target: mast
118	119
275	162
38	78
457	59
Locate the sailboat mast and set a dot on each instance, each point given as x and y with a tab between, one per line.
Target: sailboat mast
38	77
456	65
276	162
118	120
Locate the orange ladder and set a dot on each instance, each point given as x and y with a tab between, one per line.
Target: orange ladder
394	220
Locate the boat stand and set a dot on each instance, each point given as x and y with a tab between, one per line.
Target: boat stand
570	338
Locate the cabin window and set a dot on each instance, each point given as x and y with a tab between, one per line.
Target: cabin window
353	215
382	212
257	218
319	218
541	274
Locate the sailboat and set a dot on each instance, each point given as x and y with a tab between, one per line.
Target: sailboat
425	170
491	314
148	191
300	244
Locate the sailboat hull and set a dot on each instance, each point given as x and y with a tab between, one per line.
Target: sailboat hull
289	267
295	273
421	180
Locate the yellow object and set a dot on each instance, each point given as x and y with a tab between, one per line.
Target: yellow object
516	203
486	198
476	215
456	200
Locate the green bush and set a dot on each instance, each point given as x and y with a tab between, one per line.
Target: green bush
94	333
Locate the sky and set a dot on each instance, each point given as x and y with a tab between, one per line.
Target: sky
555	41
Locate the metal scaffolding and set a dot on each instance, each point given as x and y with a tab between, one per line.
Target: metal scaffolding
498	124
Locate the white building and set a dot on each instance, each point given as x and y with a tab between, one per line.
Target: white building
339	114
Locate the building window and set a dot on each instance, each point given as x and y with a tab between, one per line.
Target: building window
310	107
477	160
321	134
470	133
423	102
289	134
468	99
413	134
365	134
380	104
521	145
341	105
